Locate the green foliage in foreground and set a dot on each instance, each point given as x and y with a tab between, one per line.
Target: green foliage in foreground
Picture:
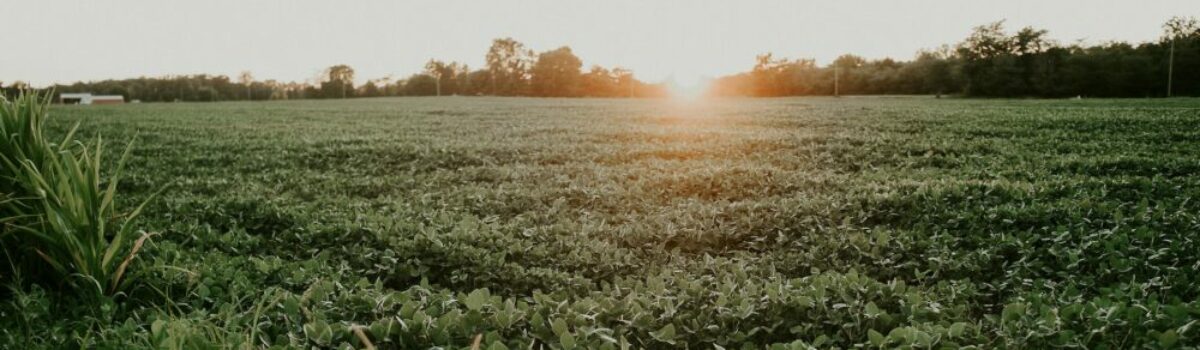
61	225
790	223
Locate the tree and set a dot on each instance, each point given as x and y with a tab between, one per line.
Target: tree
1176	28
626	83
556	73
935	72
476	83
996	64
599	82
765	75
371	88
508	61
448	77
245	78
420	85
436	69
339	82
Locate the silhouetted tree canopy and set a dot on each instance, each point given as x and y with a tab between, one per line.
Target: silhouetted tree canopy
991	62
339	82
995	63
509	62
556	73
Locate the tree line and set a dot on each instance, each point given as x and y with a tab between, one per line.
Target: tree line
511	69
992	62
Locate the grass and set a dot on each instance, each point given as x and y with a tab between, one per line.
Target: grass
59	211
784	223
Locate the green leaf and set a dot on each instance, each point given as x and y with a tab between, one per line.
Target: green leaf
408	309
877	339
567	340
821	340
872	311
476	299
318	332
1168	339
899	334
559	326
1012	312
665	334
957	329
383	328
157	327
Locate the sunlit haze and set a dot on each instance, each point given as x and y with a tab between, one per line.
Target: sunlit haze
681	41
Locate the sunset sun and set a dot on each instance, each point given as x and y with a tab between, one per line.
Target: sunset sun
690	88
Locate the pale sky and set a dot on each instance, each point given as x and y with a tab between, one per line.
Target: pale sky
49	41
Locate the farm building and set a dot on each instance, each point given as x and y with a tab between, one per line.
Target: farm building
88	99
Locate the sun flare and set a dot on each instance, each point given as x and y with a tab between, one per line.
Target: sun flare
688	89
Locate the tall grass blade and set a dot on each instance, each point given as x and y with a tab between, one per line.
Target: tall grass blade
57	209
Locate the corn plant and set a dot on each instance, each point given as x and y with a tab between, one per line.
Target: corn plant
58	211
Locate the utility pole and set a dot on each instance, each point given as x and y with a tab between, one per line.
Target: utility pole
1171	67
837	75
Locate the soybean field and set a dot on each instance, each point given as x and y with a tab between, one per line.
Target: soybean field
522	223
